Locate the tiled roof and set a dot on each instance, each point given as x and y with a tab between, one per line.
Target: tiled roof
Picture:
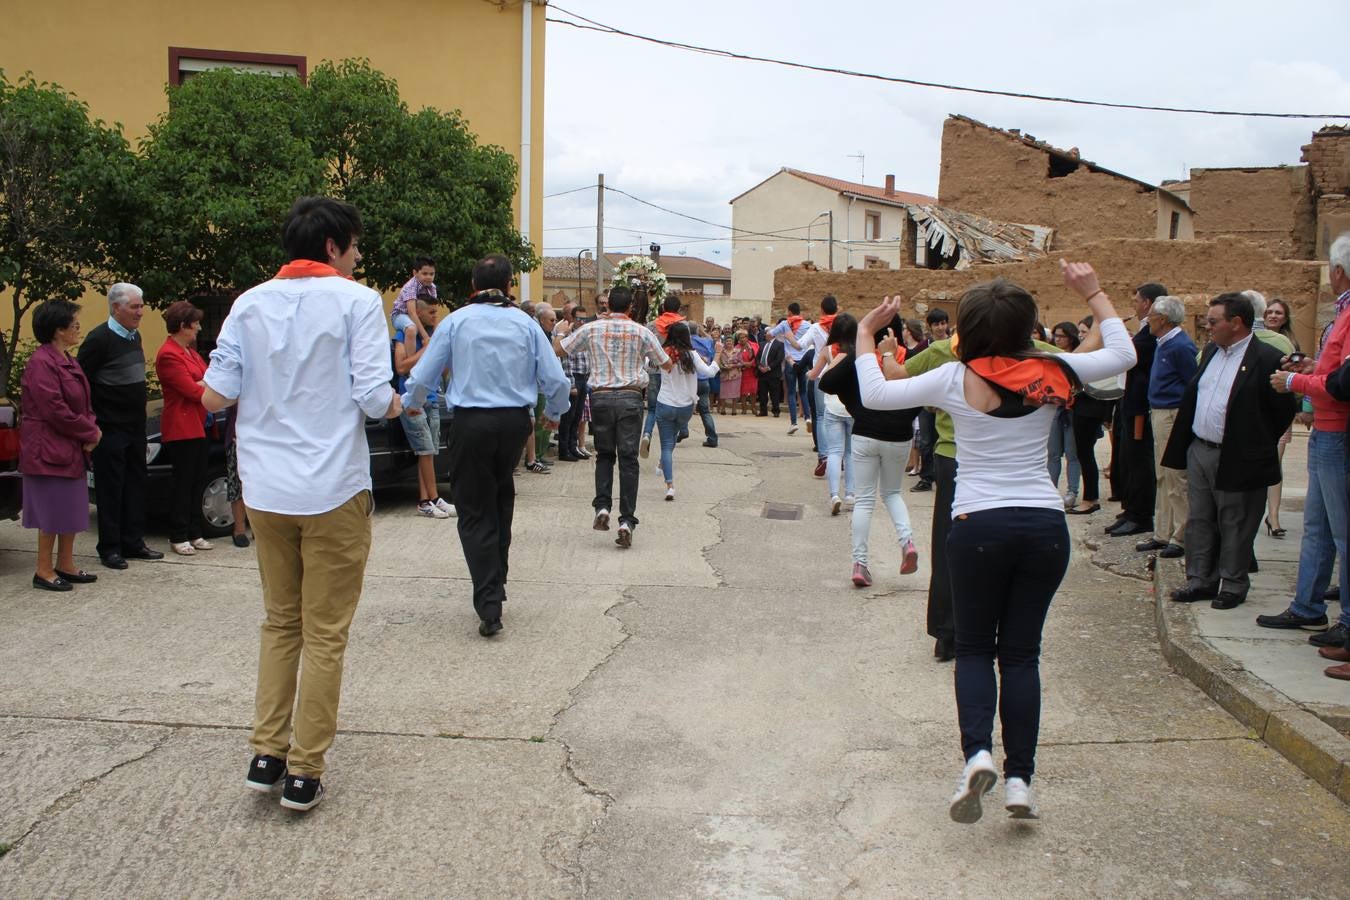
565	268
862	190
677	267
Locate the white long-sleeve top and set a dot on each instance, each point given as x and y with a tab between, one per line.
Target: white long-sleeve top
680	388
1000	462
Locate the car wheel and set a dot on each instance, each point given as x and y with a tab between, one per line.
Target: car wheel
217	517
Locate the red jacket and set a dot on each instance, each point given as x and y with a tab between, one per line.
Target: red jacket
179	369
57	417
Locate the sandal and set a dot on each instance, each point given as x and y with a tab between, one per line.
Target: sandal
183	549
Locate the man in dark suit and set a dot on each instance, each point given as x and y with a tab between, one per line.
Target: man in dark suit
1133	475
770	368
1226	437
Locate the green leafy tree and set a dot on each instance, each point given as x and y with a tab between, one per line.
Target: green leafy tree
220	169
67	187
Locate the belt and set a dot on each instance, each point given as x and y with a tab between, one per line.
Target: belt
626	387
1208	443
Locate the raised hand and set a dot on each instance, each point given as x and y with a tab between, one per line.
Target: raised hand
881	315
1080	278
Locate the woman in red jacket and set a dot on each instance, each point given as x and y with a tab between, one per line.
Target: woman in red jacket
182	424
58	433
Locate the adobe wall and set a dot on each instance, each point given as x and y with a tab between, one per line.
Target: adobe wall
1193	270
1265	205
1328	159
1002	178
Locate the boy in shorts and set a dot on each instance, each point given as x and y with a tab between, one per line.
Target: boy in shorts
421	425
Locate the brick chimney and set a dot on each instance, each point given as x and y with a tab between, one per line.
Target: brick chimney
890	185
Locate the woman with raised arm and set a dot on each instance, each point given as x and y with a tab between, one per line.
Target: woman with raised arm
1008	546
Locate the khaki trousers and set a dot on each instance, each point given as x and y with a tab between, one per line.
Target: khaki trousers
312	568
1169	517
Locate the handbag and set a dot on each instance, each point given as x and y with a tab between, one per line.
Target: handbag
1109	388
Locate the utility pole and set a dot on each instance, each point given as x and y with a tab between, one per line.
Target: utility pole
600	235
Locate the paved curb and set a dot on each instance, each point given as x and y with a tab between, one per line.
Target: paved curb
1305	740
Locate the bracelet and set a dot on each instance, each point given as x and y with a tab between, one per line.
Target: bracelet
1089	297
884	355
1289	382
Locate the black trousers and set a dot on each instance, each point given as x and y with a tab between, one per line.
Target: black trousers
119	490
483	447
188	459
1135	478
770	389
940	623
1086	430
570	423
616	425
1011	563
927	441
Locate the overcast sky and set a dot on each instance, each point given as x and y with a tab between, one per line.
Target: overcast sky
690	131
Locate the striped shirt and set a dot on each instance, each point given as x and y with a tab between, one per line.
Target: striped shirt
618	349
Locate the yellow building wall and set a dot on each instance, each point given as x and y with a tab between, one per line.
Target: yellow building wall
446	54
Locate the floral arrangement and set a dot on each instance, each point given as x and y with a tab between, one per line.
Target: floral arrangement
633	272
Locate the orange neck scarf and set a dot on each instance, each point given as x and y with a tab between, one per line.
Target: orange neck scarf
794	322
308	268
665	320
1037	381
826	321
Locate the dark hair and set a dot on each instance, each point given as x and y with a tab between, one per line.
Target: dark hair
915	329
795	308
421	262
1236	305
895	326
1086	320
51	317
828	305
1039	330
1287	329
1070	331
179	314
492	272
1151	290
677	338
939	315
996	319
670	304
620	299
844	332
312	221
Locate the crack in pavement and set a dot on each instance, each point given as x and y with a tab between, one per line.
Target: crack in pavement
71	797
1125	742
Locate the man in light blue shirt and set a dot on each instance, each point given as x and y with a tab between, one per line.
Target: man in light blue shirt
499	362
794	375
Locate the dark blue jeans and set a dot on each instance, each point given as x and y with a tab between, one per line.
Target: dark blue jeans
704	411
1005	566
616	426
795	380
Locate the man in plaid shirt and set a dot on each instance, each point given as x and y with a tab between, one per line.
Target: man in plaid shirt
577	367
618	349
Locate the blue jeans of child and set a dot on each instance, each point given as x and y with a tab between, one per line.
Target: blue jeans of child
670	421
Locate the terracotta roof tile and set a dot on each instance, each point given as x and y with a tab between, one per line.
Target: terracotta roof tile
681	266
863	190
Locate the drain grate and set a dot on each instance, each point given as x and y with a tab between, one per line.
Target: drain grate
776	454
790	512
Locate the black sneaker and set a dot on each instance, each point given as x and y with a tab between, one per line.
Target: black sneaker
301	793
1334	636
923	485
265	773
1291	619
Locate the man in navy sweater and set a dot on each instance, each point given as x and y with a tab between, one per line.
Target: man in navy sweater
1174	365
1133	456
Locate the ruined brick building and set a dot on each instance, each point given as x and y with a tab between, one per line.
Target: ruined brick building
1226	229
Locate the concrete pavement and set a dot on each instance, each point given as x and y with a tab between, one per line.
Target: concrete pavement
715	712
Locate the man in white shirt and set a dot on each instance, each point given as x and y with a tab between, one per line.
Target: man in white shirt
306	357
1226	436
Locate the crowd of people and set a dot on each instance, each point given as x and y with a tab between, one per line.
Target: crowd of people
988	416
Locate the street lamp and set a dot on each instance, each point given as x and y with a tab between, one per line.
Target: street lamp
826	212
579	252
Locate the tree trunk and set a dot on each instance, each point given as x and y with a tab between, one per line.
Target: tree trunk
8	352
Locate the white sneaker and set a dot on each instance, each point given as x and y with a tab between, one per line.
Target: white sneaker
835	503
1070	501
601	520
1017	800
645	447
670	493
792	429
183	549
977	779
625	538
431	511
447	508
850	499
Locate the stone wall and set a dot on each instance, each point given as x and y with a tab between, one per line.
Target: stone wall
996	175
1328	159
1268	206
1193	270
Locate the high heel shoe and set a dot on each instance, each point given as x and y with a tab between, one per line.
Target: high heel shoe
1275	532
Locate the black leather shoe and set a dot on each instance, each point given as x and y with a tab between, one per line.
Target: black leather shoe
1335	636
562	458
488	629
1190	594
1227	600
1172	551
923	485
56	584
1125	528
113	561
79	576
1291	619
944	649
142	552
710	443
1332	594
1150	545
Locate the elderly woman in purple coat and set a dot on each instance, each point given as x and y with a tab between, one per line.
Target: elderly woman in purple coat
58	433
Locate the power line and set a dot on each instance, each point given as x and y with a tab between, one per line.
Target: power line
729	54
584	187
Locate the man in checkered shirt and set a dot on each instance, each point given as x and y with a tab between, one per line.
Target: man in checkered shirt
618	349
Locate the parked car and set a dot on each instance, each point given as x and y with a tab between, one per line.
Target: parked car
11	482
391	463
